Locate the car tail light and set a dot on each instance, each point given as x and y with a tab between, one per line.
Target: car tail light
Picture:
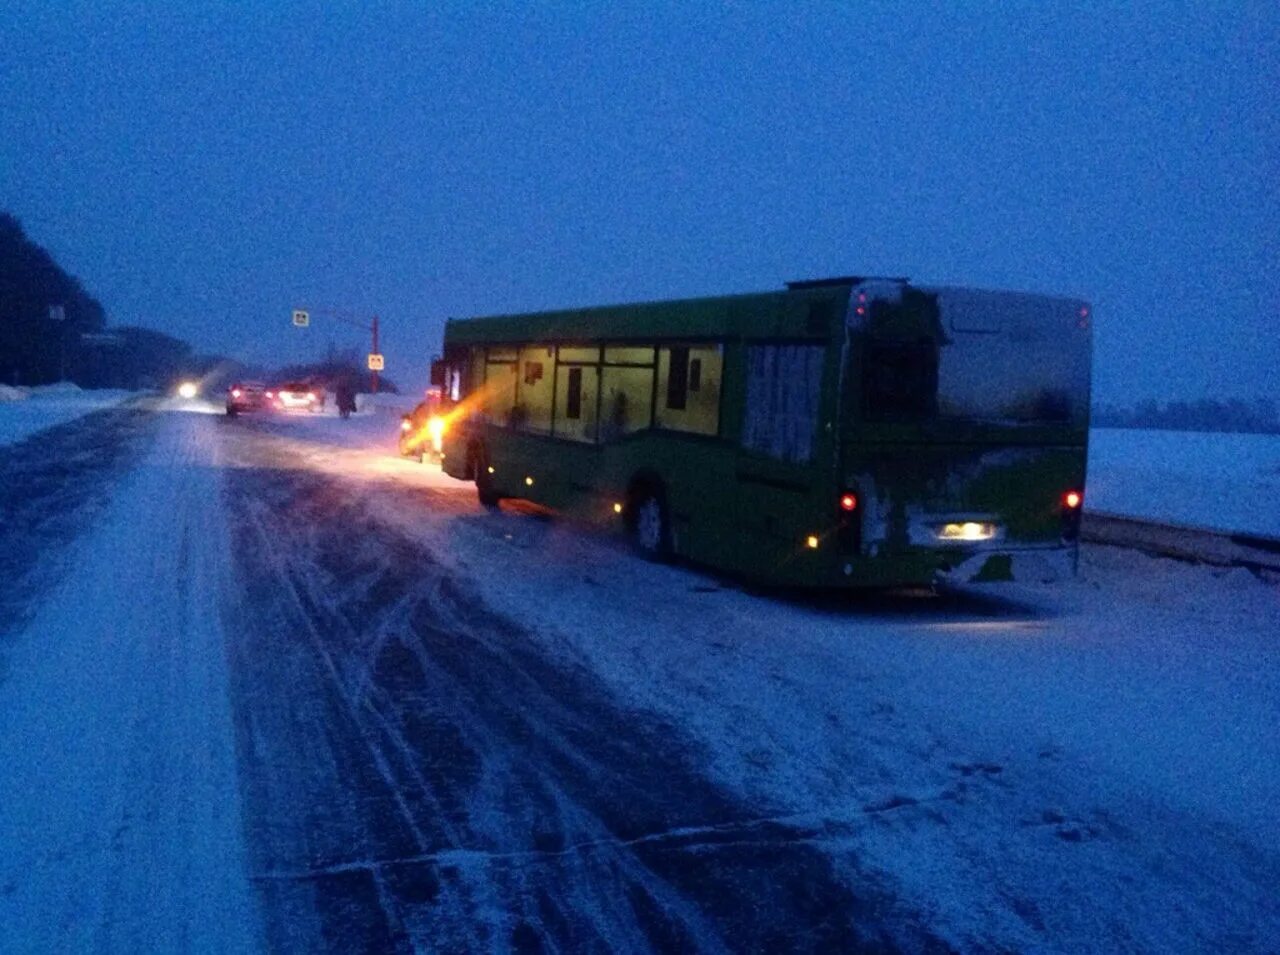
311	396
848	501
235	392
270	394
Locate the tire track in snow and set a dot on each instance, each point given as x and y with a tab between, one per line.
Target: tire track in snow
419	776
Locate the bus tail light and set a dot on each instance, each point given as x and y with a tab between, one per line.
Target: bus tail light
848	523
1072	507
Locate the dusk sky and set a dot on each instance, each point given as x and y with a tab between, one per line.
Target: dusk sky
204	168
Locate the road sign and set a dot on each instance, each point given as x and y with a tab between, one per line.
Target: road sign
57	313
375	362
300	318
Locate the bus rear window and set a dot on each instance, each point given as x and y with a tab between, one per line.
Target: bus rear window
901	379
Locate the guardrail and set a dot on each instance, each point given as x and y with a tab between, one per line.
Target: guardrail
1221	548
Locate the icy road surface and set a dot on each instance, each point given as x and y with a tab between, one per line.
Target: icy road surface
264	686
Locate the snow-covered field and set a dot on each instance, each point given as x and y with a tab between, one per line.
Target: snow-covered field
24	411
1228	482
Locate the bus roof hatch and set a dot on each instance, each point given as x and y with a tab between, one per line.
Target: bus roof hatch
844	280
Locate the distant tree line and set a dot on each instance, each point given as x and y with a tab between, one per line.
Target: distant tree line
52	329
34	347
338	365
1207	414
37	348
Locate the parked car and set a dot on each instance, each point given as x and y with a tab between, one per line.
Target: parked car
245	396
297	396
422	429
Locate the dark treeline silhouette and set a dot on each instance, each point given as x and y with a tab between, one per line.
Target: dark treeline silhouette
1206	414
37	349
34	348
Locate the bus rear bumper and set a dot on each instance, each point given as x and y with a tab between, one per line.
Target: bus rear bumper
1022	565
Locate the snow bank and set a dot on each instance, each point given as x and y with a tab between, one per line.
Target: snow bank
47	406
9	393
1226	482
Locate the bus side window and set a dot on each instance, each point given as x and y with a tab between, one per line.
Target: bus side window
901	379
573	406
783	387
627	403
689	388
501	371
575	417
677	378
532	411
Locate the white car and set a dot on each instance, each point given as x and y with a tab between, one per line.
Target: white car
297	396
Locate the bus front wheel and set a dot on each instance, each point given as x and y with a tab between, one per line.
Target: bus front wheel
485	491
651	524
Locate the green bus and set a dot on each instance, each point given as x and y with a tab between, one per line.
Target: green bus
853	431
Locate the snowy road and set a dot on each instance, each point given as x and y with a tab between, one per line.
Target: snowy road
118	797
265	687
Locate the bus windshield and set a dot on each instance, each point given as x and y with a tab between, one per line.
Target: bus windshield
996	357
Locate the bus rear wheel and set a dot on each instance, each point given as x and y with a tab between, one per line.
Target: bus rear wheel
650	523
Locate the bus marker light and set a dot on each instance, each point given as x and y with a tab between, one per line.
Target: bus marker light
811	542
405	425
1071	499
848	501
528	481
617	508
490	469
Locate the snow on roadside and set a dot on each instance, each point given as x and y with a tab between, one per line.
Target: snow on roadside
1084	768
1222	481
25	411
119	798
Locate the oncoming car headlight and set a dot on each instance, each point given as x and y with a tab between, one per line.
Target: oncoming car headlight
188	389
